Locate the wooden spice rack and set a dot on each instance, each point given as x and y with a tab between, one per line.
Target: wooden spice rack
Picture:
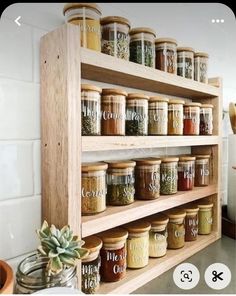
63	64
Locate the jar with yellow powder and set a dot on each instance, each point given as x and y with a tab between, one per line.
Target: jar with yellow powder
176	229
205	218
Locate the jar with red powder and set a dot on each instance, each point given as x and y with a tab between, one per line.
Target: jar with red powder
192	118
186	173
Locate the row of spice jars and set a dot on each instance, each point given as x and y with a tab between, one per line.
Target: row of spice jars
119	183
114	112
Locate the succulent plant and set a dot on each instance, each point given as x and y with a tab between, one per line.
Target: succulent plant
60	246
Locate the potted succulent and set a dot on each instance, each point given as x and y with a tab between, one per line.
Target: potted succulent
6	278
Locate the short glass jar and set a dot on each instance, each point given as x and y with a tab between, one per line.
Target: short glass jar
186	173
185	62
115	36
201	67
202	170
138	244
120	182
205	218
191	223
113	112
176	229
87	16
158	236
147	178
158	116
93	188
90	110
175	117
206	119
142	46
113	254
166	55
31	276
90	267
169	175
192	119
136	115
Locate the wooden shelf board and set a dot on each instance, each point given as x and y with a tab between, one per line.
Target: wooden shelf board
106	143
115	216
104	68
136	278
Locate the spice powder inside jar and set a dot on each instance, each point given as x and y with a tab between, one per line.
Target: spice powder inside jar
202	170
185	62
205	217
176	229
169	175
175	117
186	172
192	119
191	222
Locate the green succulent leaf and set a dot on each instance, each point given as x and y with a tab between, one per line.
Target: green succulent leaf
60	250
41	250
55	265
82	252
67	260
52	254
55	241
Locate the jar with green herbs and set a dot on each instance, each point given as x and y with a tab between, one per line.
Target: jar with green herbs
136	115
202	170
176	229
205	218
90	267
90	110
201	67
142	46
147	178
185	62
166	55
120	182
93	188
169	175
206	119
158	116
176	117
191	222
115	36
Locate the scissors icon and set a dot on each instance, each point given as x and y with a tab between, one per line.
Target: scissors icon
217	276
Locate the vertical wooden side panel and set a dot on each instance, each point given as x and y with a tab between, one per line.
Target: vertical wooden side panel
60	127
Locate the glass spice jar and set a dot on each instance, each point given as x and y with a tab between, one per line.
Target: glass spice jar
113	254
142	46
176	229
192	118
136	115
166	55
169	175
206	119
113	112
185	62
147	178
158	236
191	223
205	217
120	182
158	116
138	244
90	110
115	36
202	170
90	267
175	117
93	189
87	16
186	173
201	67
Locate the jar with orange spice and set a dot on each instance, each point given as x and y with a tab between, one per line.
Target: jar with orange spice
175	117
186	173
166	55
192	118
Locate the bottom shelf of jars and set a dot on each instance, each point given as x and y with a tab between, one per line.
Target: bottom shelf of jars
139	277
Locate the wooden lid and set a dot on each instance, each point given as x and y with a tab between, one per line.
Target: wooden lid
137	96
121	164
114	235
91	87
94	166
166	40
205	205
142	30
177	102
185	49
192	104
201	54
92	243
114	19
202	156
114	91
158	99
147	161
191	209
187	158
93	6
138	226
176	214
207	106
169	159
159	219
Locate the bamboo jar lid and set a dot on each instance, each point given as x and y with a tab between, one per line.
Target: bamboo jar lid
205	205
114	91
203	156
147	161
138	226
176	214
207	106
158	99
114	19
182	102
137	96
91	87
120	164
158	220
191	209
70	6
182	48
94	166
201	55
166	40
187	158
169	159
142	30
92	243
114	235
192	104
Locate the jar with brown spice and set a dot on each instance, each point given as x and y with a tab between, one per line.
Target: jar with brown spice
185	62
175	117
176	229
192	118
191	222
205	217
186	172
169	175
206	119
201	67
202	170
93	188
166	55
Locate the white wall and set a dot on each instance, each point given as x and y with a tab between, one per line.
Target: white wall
20	199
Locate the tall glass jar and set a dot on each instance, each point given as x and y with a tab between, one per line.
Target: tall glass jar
87	16
138	244
120	182
142	46
186	173
158	116
113	254
115	36
192	119
206	119
93	189
147	178
202	170
136	115
176	229
113	112
166	55
169	175
90	267
205	217
201	67
175	117
90	110
185	62
31	276
191	223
